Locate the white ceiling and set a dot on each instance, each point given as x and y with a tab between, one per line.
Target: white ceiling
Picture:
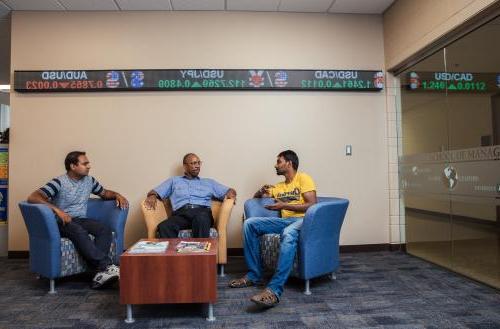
306	6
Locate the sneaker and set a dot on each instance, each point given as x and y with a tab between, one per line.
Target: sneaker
113	269
111	274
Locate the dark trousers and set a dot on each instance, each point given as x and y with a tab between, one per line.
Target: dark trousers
198	219
94	252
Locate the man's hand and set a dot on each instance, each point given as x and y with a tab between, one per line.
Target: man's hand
278	205
121	202
263	192
150	202
66	219
265	189
231	194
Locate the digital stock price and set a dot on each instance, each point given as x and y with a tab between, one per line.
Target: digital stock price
196	79
465	82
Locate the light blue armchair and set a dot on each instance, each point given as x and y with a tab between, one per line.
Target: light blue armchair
53	257
318	248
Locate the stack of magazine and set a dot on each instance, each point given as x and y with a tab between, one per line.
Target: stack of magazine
193	246
149	247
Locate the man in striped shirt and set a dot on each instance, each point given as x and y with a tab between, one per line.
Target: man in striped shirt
67	196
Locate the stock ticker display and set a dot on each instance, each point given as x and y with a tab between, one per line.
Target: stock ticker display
195	79
461	82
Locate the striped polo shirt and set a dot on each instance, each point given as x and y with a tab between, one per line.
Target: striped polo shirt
71	196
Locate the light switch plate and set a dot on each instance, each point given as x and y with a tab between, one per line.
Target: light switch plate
348	150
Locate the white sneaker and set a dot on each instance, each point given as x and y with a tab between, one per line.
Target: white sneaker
111	274
113	269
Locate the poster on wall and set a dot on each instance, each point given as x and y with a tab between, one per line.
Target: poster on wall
4	164
197	79
4	177
3	203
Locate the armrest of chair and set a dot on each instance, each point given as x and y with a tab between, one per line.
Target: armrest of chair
40	221
319	236
221	227
153	217
255	208
44	239
109	214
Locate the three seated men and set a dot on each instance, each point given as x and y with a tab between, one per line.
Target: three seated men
190	196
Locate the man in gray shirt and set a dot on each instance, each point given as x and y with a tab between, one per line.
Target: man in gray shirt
67	195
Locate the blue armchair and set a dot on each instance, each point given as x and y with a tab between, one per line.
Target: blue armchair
318	248
52	256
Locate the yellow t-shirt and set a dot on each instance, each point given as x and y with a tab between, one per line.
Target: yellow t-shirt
292	193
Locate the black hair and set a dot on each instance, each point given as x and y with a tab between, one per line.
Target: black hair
72	158
291	156
184	159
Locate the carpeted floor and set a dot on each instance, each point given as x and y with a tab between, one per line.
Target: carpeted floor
372	290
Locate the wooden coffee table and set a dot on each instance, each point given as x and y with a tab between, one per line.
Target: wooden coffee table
169	277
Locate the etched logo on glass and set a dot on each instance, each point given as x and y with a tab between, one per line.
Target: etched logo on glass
450	177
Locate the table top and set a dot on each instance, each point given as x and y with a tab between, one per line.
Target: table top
171	250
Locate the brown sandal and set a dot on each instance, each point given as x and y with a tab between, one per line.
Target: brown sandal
241	283
266	298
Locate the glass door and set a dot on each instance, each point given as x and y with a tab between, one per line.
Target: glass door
474	128
425	139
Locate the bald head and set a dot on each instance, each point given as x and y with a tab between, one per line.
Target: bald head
186	159
192	165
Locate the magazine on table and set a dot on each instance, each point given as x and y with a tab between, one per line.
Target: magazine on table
146	247
193	246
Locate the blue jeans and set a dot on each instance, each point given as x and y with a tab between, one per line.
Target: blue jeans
288	228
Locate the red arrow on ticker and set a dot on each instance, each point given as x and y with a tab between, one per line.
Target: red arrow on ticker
64	84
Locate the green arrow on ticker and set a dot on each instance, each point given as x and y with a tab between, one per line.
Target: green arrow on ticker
196	85
452	87
337	85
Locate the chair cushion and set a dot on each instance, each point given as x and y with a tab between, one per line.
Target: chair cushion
73	263
270	251
189	233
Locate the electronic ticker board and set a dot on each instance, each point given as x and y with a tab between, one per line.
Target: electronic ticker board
196	79
454	82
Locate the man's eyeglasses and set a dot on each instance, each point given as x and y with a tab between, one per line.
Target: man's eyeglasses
194	163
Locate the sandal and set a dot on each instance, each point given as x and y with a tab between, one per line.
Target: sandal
241	283
266	298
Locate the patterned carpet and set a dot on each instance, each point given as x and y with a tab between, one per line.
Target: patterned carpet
372	290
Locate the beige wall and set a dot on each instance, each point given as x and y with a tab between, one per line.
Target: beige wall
135	140
410	25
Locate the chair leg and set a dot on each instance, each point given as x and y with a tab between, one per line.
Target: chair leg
222	271
333	276
52	286
307	291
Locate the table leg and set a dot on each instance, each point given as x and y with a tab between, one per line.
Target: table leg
130	318
211	316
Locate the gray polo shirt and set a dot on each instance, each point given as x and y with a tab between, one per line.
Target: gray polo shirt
71	196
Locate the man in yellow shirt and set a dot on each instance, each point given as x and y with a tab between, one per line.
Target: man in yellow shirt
292	198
